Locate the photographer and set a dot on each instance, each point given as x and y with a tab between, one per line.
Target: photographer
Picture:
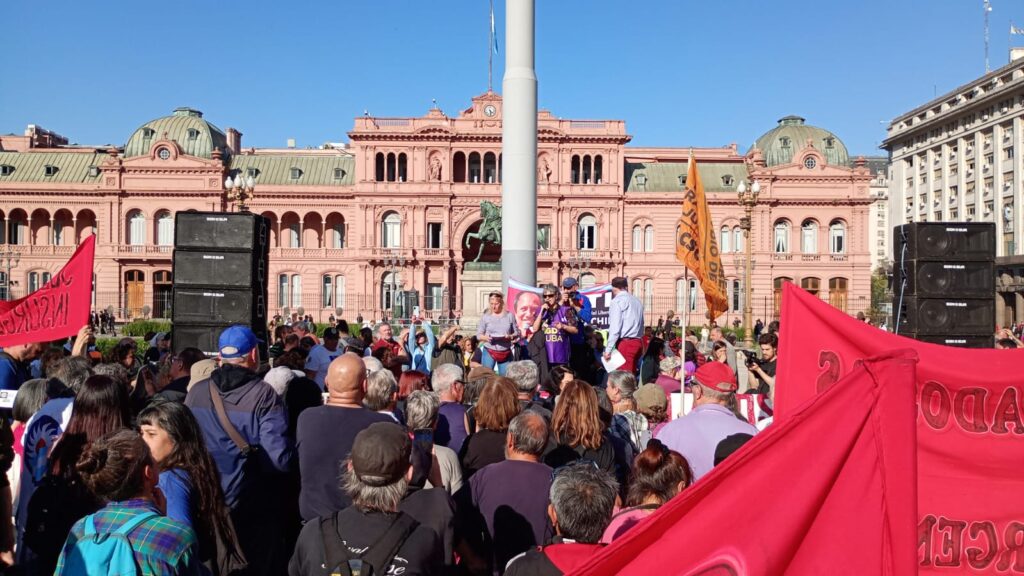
581	357
763	369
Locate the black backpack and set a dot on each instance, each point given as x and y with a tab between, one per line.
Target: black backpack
376	559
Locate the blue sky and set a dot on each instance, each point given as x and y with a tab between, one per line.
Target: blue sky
679	72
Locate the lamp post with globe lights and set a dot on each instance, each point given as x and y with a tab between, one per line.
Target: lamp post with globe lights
395	262
8	259
240	190
747	197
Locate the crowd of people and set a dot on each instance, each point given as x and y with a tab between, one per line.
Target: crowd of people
520	449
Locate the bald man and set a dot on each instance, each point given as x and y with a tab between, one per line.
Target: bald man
325	434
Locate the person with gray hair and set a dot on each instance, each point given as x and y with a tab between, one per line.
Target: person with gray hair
582	501
381	393
558	322
627	424
526	375
452	428
506	497
376	477
421	419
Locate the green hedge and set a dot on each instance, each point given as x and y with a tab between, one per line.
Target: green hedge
139	328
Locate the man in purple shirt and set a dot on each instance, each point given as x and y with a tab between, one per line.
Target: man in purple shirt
697	434
558	323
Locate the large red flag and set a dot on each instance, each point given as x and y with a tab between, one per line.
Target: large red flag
970	433
57	310
829	491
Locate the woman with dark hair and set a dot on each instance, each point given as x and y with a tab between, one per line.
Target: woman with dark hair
119	469
577	431
124	353
31	397
188	477
498	405
100	408
650	361
556	379
658	475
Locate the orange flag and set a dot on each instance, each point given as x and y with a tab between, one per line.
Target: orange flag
696	246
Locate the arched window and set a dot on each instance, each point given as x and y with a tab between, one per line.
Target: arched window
391	283
335	230
490	168
737	296
283	291
598	169
811	284
782	237
574	167
36	280
777	293
391	168
459	167
693	296
680	294
378	172
648	238
291	230
837	293
60	224
474	167
391	230
403	168
837	237
648	294
17	227
587	170
164	229
726	242
809	237
136	228
587	280
296	290
339	291
587	232
326	291
638	239
737	239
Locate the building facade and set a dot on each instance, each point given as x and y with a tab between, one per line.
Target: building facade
396	207
957	158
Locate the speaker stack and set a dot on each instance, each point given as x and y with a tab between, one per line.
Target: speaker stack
220	277
944	282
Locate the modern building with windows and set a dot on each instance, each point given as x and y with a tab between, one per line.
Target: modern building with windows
393	209
955	159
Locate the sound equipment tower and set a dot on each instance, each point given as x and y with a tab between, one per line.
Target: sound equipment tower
220	277
944	282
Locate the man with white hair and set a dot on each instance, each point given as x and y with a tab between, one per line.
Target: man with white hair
449	386
526	375
421	418
381	393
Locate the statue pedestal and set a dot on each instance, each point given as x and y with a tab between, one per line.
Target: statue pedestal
479	279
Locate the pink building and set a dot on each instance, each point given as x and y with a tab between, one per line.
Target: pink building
409	190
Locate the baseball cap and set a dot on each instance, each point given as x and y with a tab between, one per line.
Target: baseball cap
236	341
380	454
650	396
569	282
354	344
716	376
201	371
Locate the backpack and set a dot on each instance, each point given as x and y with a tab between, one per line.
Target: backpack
108	553
374	561
53	509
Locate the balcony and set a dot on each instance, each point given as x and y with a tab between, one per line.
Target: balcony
434	252
41	250
838	257
141	250
310	252
781	257
810	257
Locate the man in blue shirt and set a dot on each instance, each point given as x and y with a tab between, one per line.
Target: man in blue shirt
15	364
581	357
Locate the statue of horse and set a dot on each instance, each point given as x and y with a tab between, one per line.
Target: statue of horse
490	228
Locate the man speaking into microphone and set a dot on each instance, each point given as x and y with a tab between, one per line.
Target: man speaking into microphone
581	356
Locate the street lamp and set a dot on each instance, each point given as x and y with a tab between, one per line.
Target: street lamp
747	197
394	261
9	259
240	190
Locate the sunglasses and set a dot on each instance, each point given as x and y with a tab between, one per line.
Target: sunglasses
551	295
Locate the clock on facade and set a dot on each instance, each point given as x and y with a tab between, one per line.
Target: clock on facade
490	110
810	162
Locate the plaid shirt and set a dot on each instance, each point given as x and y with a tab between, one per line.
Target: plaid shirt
162	546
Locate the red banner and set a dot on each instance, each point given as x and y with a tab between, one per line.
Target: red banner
970	436
828	491
57	310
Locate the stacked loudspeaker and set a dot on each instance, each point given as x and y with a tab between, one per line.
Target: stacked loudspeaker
944	282
220	276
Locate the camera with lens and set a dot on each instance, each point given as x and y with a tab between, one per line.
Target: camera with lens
751	359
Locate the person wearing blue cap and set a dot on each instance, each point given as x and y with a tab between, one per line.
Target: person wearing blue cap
244	423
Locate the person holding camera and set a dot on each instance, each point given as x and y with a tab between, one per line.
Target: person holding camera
763	368
581	358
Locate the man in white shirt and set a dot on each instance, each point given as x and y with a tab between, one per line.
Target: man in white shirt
321	356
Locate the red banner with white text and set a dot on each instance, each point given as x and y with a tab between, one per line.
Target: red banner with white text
829	491
970	434
57	310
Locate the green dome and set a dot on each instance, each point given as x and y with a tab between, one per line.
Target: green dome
186	126
791	135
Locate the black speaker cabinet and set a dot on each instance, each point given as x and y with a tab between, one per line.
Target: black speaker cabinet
949	279
958	341
193	267
221	231
944	241
219	305
942	316
205	337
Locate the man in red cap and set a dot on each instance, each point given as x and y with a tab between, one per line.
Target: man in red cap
697	434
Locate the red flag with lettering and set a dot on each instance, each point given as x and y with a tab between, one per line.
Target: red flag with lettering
829	491
970	435
57	310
